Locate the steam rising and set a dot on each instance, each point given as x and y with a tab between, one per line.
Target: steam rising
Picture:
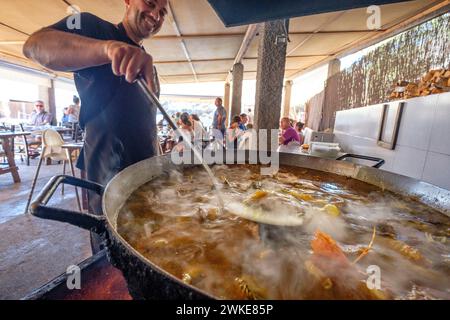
174	221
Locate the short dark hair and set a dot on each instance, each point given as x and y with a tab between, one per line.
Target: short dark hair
236	119
195	117
243	114
76	100
220	99
184	118
300	125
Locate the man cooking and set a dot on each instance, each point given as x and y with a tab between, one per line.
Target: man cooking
106	59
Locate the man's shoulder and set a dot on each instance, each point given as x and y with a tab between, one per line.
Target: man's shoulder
90	24
290	131
92	18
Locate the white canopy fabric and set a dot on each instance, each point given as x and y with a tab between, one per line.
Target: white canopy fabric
194	45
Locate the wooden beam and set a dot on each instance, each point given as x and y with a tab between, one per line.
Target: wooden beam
328	22
431	11
227	35
214	73
21	62
173	20
12	42
197	36
231	59
12	28
252	30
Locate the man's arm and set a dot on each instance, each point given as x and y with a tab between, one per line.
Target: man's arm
48	118
63	51
219	120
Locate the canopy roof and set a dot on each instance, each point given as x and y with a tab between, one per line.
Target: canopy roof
194	45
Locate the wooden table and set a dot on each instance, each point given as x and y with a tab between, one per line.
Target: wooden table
40	129
5	137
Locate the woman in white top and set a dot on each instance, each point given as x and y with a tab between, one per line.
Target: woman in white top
199	131
185	131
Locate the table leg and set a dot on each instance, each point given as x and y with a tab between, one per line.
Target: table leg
11	162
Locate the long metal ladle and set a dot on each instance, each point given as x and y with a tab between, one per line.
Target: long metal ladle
234	208
155	101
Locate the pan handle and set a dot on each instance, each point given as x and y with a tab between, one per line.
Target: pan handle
86	221
379	161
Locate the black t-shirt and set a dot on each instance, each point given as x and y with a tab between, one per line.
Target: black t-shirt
120	123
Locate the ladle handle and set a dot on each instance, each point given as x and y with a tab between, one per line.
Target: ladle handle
153	99
86	221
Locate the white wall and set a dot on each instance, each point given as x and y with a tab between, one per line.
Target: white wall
423	146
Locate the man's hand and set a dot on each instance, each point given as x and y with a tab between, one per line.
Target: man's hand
131	62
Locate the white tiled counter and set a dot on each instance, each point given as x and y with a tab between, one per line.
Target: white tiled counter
423	145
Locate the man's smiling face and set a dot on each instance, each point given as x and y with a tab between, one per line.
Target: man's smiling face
146	17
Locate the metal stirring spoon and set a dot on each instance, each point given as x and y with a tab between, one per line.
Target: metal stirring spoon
233	207
155	101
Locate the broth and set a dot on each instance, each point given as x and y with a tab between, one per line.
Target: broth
353	235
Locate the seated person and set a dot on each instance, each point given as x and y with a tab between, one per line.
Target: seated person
65	118
288	134
244	121
40	117
299	128
234	133
197	126
74	110
185	130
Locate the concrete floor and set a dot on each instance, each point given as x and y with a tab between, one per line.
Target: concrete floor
34	251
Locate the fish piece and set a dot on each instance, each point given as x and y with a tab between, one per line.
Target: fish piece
324	246
212	214
192	274
160	242
259	194
332	210
299	196
406	250
249	289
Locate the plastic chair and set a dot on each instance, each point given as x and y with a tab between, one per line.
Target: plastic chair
52	143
